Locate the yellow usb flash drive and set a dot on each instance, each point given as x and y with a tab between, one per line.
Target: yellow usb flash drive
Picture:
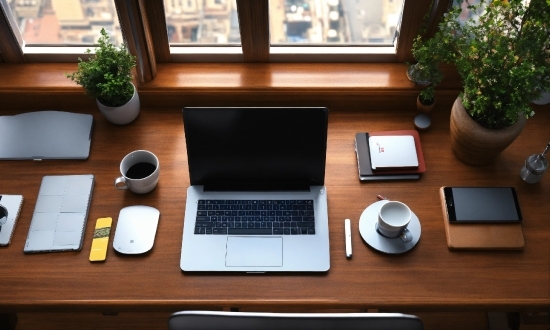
101	239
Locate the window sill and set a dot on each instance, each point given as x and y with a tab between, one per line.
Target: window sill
24	86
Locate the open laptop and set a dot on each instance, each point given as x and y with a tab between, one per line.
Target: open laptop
257	201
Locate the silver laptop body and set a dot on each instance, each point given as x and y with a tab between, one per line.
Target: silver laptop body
255	156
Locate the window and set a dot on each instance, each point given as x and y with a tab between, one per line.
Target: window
335	22
65	22
215	30
42	26
202	22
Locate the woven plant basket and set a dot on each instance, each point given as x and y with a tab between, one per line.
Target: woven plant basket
476	145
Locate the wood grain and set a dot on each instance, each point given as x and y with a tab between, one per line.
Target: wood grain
156	18
10	49
428	278
137	34
413	12
341	85
156	321
254	29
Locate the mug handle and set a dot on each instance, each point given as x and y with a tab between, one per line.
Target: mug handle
406	235
118	182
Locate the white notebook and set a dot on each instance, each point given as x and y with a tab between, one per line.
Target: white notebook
60	214
392	151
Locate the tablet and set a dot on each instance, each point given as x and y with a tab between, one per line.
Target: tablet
482	204
462	235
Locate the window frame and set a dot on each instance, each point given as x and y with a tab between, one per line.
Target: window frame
140	20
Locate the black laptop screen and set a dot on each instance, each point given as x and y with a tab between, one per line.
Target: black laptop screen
256	148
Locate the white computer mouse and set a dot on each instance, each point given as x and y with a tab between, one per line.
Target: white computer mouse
136	228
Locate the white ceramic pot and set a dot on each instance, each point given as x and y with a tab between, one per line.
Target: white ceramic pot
124	114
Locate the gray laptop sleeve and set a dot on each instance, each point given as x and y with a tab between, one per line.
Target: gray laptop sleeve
45	135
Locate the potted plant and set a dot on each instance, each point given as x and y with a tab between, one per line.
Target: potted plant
425	72
425	101
106	76
502	54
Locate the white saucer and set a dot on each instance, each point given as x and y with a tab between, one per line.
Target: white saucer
367	228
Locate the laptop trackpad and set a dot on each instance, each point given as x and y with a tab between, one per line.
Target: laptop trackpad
254	251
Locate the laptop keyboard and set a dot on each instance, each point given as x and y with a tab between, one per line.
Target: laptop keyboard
255	217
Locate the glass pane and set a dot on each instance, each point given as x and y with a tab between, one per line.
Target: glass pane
358	22
65	22
202	22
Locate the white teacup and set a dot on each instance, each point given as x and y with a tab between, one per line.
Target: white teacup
140	171
393	219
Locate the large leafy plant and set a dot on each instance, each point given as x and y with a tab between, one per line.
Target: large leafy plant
502	54
107	74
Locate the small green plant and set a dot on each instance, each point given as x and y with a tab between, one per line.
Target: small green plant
426	71
428	54
427	95
107	74
502	54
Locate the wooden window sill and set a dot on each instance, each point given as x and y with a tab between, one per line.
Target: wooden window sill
44	85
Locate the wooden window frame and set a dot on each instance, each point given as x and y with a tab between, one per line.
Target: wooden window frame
140	20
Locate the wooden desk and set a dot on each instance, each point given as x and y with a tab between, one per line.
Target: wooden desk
430	277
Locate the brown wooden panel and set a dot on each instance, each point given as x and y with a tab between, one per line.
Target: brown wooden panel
157	28
441	8
10	50
176	77
428	278
413	13
254	27
135	28
178	84
156	321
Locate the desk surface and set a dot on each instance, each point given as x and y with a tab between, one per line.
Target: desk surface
429	277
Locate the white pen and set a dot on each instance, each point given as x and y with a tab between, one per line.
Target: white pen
347	230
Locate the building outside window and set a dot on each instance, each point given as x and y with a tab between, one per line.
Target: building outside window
334	24
202	22
65	22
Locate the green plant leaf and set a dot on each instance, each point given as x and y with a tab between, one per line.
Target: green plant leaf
106	76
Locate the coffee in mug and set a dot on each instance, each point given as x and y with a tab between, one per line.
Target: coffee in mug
140	170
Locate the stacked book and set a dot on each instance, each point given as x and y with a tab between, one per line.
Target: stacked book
389	155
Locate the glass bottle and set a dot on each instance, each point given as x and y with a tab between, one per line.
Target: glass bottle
535	167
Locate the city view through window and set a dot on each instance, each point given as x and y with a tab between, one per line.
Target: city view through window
298	22
334	21
65	22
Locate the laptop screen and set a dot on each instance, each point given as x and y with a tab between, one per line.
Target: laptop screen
256	148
